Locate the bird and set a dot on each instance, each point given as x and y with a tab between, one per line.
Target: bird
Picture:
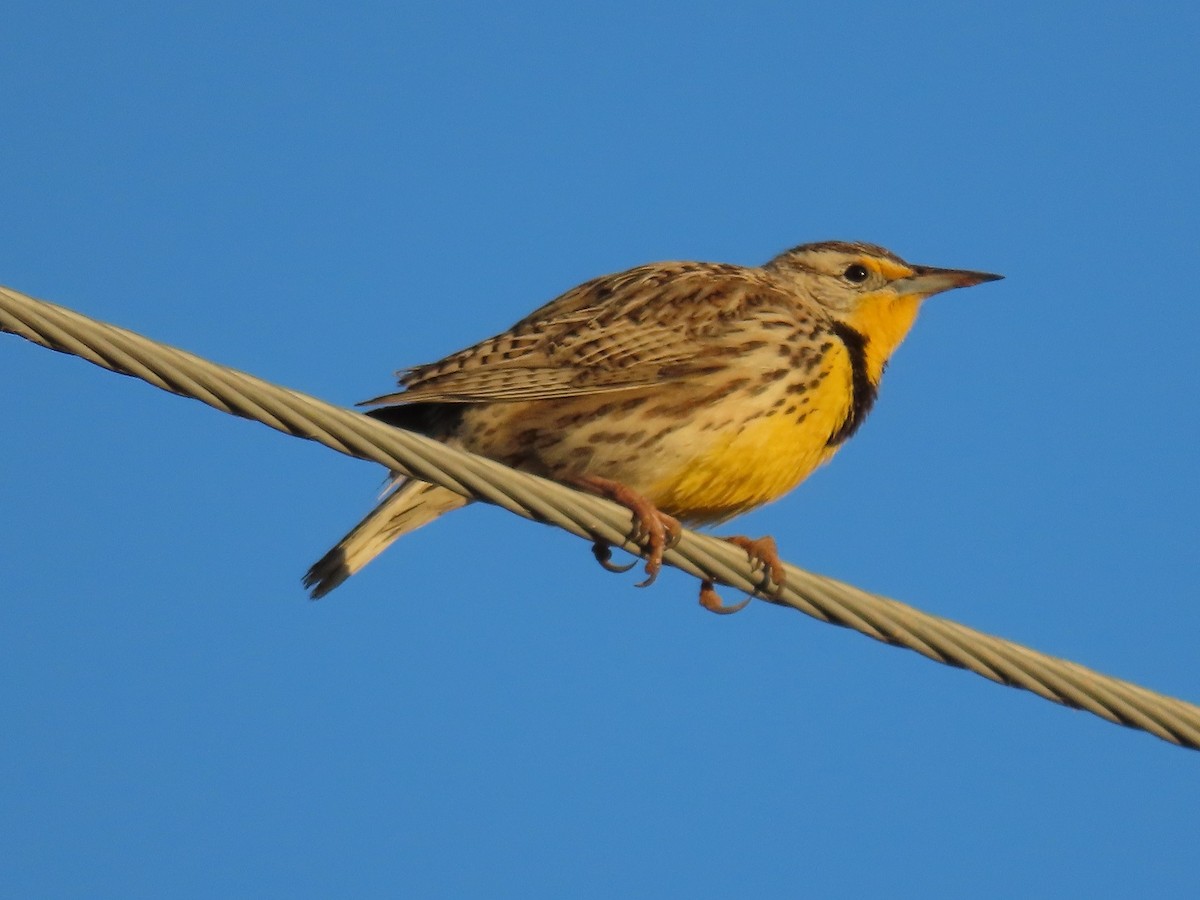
688	392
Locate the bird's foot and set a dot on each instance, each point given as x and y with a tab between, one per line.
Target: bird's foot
761	551
653	530
603	554
711	600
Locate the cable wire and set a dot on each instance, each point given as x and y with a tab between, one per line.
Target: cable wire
593	518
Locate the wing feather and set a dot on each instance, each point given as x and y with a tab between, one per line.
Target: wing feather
632	330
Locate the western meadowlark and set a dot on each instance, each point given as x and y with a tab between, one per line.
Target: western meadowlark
686	391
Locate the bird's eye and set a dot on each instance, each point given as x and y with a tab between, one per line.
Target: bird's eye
856	274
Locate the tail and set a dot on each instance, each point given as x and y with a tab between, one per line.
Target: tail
413	504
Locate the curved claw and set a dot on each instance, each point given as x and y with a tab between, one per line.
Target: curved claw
711	600
763	552
662	532
651	575
650	528
603	554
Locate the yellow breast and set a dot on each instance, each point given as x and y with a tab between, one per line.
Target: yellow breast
775	441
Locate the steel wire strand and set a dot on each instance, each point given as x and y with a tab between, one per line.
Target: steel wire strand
593	518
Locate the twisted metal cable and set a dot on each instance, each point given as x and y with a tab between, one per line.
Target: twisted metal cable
593	518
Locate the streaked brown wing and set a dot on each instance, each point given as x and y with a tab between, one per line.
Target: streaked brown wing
635	329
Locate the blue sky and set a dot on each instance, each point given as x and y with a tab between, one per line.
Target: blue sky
321	196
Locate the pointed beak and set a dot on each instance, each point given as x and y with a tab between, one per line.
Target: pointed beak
926	280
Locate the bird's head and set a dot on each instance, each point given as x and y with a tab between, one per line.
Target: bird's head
868	288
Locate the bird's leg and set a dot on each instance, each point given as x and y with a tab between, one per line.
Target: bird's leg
653	529
761	551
